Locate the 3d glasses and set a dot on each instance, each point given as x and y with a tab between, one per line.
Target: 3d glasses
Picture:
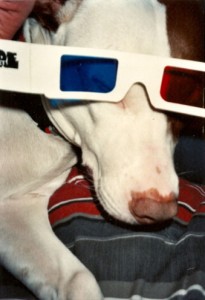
64	73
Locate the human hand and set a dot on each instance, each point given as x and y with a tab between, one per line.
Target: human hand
12	15
14	12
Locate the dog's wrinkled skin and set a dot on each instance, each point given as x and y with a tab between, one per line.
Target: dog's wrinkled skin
128	146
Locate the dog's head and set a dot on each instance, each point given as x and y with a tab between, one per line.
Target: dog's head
128	145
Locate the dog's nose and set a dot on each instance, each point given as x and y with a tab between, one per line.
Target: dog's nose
150	207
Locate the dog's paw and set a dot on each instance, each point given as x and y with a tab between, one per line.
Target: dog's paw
81	286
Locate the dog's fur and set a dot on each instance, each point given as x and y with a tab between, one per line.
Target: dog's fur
128	146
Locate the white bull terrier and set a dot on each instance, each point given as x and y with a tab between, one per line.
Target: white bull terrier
128	146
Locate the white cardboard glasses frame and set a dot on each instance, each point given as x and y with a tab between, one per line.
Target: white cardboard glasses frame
38	70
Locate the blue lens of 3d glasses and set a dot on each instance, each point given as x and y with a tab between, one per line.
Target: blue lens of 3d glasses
87	74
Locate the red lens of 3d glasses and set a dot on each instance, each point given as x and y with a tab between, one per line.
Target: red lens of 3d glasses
183	86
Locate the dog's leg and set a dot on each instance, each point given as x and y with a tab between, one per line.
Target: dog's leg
31	251
28	157
32	166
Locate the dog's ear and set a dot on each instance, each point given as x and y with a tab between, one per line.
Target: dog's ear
50	14
46	19
67	11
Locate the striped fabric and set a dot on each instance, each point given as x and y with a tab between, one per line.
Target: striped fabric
135	262
75	198
130	262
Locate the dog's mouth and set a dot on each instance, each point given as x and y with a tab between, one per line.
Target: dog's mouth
130	207
114	208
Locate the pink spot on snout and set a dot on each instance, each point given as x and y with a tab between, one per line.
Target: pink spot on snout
151	207
158	170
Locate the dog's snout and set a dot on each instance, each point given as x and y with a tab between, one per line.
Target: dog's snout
150	207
